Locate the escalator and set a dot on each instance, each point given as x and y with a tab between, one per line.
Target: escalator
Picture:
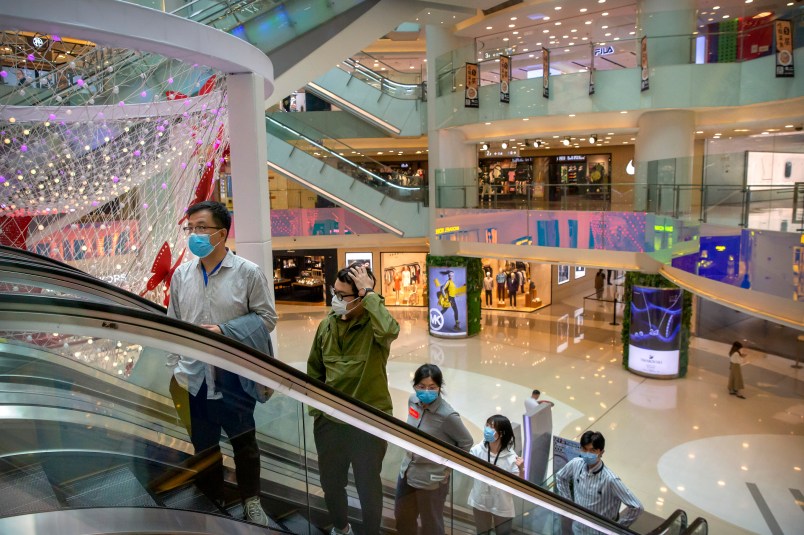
321	164
92	443
396	107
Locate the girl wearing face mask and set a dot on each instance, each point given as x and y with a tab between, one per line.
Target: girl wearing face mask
492	507
423	485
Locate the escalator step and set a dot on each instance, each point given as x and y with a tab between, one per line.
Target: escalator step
297	524
189	498
116	487
26	490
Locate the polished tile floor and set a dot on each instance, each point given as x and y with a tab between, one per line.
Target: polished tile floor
677	444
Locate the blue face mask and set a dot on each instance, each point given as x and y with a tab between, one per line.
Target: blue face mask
488	434
427	396
199	245
589	458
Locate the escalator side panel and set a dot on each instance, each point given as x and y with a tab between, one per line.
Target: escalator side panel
25	490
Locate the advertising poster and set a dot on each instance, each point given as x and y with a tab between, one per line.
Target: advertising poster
505	79
563	273
564	450
580	271
472	95
655	335
545	73
362	258
784	49
448	302
644	56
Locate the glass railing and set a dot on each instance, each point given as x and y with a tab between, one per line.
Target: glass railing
405	90
343	158
770	207
578	54
410	77
319	222
94	421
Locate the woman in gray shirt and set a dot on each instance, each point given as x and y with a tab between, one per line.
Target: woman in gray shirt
423	485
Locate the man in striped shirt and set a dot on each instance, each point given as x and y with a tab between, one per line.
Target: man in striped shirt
588	482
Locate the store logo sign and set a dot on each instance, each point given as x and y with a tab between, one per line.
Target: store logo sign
444	230
604	50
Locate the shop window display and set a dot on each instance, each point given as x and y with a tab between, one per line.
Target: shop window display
404	279
515	285
300	277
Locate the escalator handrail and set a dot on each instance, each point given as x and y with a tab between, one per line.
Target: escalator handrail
342	158
389	67
175	336
699	526
385	81
662	528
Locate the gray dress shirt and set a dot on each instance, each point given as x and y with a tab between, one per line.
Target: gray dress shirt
237	288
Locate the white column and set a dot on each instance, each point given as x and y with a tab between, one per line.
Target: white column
669	25
663	151
451	160
249	153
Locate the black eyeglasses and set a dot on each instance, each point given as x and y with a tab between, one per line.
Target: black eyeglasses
339	295
200	229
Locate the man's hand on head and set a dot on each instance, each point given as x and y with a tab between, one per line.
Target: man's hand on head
361	279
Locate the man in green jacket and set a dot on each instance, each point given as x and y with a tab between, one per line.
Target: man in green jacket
350	353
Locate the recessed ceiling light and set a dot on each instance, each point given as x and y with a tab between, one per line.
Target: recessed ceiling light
788	126
605	27
572	115
624	112
716	7
605	14
488	27
749	1
515	33
588	22
488	124
558	8
699	131
512	25
607	34
558	23
513	18
583	10
725	16
506	39
546	18
601	1
762	15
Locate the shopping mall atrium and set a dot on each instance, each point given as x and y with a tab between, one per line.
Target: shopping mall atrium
611	190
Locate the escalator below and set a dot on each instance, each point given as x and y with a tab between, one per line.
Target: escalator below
89	428
398	209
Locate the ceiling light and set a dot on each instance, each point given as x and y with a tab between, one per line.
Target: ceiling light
593	139
588	22
583	10
558	8
716	7
488	27
565	141
513	18
558	23
605	14
749	1
484	146
762	15
512	25
546	18
725	16
504	145
604	27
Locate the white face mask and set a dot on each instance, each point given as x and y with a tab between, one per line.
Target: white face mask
339	306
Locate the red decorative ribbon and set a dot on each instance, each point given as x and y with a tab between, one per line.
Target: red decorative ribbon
162	271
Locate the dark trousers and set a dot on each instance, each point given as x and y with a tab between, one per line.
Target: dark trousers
501	292
485	522
454	306
608	275
512	297
412	504
234	414
488	297
340	445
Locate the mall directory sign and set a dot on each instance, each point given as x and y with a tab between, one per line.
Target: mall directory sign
447	301
655	335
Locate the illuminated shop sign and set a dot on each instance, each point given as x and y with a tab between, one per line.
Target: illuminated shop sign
444	230
571	158
604	50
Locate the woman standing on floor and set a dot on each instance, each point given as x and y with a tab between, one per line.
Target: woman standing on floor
423	485
736	361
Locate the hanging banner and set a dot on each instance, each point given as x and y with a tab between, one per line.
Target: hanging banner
505	78
424	91
644	56
471	95
655	334
784	50
545	73
592	72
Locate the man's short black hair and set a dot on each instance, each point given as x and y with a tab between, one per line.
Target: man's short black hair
536	392
220	214
594	438
343	275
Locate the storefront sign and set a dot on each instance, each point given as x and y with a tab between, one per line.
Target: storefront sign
784	50
644	56
471	96
571	158
655	334
444	230
505	79
604	50
447	298
545	73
